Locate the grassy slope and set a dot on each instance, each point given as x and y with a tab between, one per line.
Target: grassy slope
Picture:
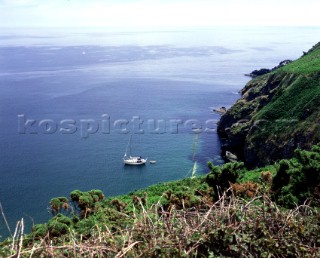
303	93
294	111
307	64
283	112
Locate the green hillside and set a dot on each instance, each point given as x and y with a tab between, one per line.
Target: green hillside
307	64
278	112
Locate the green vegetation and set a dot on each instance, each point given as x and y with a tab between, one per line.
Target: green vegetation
298	180
295	181
59	203
298	101
231	212
307	64
281	111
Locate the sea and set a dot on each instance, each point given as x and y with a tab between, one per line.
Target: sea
71	98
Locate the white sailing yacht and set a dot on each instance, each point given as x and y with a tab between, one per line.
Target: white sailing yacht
132	160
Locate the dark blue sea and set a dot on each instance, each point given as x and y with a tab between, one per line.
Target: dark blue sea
71	98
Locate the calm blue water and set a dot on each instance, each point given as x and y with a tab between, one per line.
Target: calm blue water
96	78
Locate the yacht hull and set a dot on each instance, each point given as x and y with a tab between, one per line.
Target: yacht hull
134	161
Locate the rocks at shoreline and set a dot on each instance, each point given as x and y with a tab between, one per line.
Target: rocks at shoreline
221	110
231	157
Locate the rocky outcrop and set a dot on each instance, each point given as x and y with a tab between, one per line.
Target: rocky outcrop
220	111
263	71
277	113
259	72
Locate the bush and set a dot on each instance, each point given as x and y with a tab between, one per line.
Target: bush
298	179
75	195
59	225
245	190
59	203
97	193
39	231
221	178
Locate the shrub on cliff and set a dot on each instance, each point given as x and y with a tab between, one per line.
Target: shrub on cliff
298	180
58	204
59	225
221	178
85	202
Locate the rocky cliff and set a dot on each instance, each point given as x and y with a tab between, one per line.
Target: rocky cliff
277	113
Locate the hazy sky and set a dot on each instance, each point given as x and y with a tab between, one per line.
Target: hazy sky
144	13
